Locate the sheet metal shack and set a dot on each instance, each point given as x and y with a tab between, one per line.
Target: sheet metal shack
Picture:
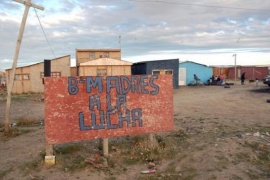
158	67
30	78
252	72
187	69
218	70
100	62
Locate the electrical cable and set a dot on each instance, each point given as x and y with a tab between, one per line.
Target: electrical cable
44	33
200	5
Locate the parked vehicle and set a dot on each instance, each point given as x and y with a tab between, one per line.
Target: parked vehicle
266	80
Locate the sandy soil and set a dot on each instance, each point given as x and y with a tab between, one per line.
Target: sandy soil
226	134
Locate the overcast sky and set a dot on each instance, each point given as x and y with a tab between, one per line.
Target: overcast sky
203	31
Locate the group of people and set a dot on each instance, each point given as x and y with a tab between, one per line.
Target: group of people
217	80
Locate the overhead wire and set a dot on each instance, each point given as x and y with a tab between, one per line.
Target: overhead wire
200	5
44	33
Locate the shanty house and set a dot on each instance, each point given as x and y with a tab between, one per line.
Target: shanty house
105	67
2	79
101	62
251	72
218	70
30	78
187	69
158	67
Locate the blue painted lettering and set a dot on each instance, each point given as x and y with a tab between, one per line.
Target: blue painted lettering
109	103
72	85
153	85
137	116
135	82
122	119
109	124
121	100
94	100
144	84
81	123
115	85
94	122
90	82
125	84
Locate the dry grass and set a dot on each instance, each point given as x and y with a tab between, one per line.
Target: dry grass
27	122
14	132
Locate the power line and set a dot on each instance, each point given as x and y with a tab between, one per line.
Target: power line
200	5
44	33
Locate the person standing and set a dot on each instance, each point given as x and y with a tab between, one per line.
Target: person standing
243	77
196	79
222	79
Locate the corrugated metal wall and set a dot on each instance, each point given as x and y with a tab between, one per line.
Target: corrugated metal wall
252	73
220	70
203	72
148	66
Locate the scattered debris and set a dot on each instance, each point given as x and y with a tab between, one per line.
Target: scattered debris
97	161
257	134
13	124
151	165
239	135
265	139
149	171
267	134
113	148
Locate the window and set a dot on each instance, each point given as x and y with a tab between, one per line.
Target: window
162	72
53	74
26	77
101	72
92	55
168	72
105	54
20	77
155	72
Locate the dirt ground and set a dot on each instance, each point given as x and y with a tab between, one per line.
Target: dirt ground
219	133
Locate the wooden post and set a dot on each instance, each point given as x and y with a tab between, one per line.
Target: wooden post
49	149
27	4
106	151
234	68
105	147
49	158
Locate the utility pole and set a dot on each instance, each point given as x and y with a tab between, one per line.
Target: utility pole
234	68
27	4
119	41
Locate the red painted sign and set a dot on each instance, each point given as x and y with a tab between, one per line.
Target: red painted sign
90	107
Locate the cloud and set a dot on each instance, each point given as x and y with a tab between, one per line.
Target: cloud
169	29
